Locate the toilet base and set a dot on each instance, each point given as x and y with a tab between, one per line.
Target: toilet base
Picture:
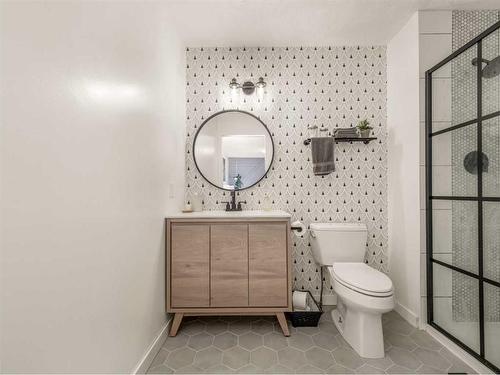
362	330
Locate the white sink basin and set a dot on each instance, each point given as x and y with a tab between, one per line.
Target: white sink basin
231	214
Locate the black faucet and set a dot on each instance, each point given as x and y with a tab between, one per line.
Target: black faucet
232	206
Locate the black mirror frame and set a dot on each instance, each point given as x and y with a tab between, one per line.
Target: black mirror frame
220	113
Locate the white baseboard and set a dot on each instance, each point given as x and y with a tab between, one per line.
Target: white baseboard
407	314
469	360
153	350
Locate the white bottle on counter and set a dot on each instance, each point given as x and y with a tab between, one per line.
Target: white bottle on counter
267	204
197	202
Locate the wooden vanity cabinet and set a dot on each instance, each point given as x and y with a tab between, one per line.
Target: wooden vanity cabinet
228	267
190	271
267	266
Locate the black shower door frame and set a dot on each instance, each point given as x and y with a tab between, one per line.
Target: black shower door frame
479	198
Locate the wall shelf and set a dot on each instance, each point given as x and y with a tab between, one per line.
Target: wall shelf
344	140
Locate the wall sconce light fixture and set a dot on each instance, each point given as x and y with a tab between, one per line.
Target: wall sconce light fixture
247	87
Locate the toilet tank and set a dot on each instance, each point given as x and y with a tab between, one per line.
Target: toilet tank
338	242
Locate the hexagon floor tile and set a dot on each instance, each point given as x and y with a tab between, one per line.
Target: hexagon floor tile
234	345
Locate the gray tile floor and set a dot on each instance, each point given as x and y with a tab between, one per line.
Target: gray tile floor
256	345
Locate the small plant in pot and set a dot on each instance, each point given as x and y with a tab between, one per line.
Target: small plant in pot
364	128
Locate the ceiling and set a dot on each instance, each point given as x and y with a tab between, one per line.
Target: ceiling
300	22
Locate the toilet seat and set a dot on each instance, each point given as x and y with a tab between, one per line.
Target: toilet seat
363	279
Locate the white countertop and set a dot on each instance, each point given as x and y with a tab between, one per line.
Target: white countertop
231	214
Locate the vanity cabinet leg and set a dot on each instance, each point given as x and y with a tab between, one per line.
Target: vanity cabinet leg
175	324
283	323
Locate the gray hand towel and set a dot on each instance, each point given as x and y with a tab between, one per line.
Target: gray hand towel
322	155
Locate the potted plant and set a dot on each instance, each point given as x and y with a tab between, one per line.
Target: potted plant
364	128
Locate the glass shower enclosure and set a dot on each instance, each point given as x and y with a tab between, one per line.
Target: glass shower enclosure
462	98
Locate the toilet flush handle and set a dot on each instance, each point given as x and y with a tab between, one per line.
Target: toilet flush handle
313	235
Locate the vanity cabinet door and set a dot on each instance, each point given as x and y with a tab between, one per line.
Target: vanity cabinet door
268	263
190	262
229	265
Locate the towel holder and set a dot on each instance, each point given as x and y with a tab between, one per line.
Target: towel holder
344	140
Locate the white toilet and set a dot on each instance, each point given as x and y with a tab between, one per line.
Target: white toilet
363	293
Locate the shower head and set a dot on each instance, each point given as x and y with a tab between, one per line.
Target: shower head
492	68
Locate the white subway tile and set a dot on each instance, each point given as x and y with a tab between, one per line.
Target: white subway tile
442	231
438	204
434	48
441	180
441	149
442	281
441	100
443	310
443	257
440	125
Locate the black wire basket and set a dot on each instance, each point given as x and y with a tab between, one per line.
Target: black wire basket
306	318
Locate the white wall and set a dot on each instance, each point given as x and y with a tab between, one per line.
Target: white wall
423	42
403	168
435	40
92	137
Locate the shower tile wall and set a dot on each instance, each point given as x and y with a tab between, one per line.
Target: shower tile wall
465	26
324	86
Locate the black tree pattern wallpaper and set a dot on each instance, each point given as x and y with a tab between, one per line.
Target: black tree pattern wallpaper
327	87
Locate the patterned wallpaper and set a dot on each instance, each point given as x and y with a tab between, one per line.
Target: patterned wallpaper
324	86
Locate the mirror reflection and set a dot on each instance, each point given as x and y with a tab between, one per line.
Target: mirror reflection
233	150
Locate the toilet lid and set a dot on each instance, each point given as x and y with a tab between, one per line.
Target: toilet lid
363	278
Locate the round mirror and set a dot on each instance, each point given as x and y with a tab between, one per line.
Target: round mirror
233	150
